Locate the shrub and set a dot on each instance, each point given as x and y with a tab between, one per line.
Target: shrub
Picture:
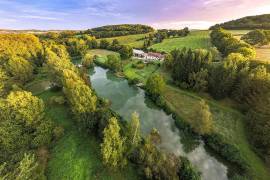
88	61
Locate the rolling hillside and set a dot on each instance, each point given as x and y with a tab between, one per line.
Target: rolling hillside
249	22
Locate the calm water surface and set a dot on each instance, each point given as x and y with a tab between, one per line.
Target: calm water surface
127	99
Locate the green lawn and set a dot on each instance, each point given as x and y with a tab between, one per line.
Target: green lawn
135	41
140	74
102	52
196	40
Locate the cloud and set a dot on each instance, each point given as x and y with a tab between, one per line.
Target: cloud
39	17
182	24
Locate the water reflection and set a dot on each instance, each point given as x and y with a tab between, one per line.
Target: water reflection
127	99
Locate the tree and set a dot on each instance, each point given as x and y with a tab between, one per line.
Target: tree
112	148
3	81
256	37
20	69
126	52
114	63
199	81
168	62
88	60
134	132
104	44
202	122
186	62
28	169
23	125
155	85
80	96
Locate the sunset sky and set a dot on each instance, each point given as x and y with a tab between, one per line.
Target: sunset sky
84	14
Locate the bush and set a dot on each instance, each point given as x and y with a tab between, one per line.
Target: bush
88	61
187	172
58	132
227	151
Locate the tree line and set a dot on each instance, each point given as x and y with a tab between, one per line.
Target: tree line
257	37
226	44
118	30
249	22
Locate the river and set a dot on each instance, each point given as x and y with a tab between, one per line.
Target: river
127	99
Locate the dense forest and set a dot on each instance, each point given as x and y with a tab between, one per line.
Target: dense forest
119	30
249	22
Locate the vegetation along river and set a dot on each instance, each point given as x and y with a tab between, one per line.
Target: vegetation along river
126	99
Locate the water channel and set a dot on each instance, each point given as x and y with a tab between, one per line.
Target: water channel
126	99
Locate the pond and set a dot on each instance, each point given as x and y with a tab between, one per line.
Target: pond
127	99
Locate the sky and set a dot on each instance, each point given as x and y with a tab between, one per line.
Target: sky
85	14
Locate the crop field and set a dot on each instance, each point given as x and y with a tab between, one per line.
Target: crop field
263	54
196	40
135	41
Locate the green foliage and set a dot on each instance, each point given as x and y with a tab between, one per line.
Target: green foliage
230	152
27	168
187	171
256	37
20	69
80	96
249	22
104	44
186	62
76	47
155	85
202	119
26	46
259	125
90	41
199	81
168	62
134	131
114	63
224	78
88	60
252	86
156	164
112	148
23	125
3	80
119	30
227	44
126	52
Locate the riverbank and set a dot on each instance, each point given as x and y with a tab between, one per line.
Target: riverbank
229	124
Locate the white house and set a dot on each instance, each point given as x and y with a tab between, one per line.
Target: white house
146	57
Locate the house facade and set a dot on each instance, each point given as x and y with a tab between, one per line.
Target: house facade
146	57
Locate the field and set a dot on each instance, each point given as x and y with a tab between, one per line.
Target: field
135	41
196	40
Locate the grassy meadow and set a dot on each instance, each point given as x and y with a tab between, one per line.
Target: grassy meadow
135	41
196	40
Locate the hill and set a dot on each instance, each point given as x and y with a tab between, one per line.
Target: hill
119	30
249	22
